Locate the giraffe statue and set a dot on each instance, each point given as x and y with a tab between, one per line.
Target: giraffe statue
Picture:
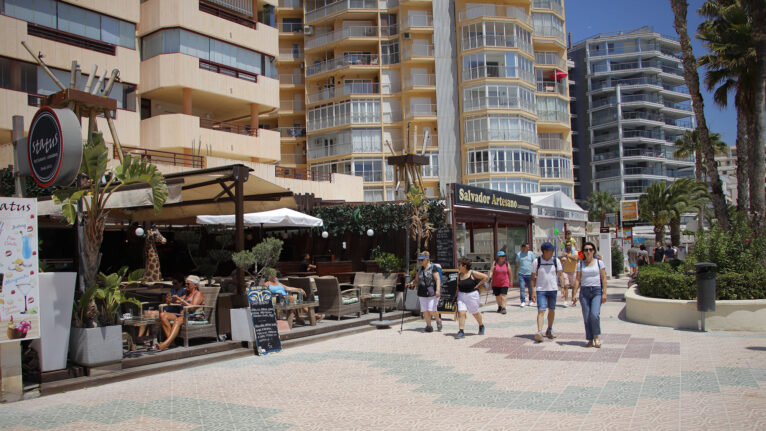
152	272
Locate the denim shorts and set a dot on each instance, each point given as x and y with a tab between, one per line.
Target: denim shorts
546	299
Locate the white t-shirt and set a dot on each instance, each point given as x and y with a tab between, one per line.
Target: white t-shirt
591	274
547	277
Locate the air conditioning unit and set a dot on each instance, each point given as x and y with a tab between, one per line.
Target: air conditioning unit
407	35
308	30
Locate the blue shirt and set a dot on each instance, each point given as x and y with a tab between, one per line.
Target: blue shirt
278	289
524	260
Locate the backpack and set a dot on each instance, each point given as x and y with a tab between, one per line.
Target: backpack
540	263
599	264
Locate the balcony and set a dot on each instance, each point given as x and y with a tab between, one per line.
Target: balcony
630	98
421	80
341	62
288	79
341	119
339	6
329	151
290	54
553	117
220	139
680	106
646	134
491	40
352	88
302	174
288	106
420	110
420	21
499	102
292	132
550	31
606	156
392	117
652	154
391	30
293	158
290	28
163	157
641	116
495	11
552	5
418	51
683	89
345	33
290	4
552	87
548	143
682	122
644	171
550	59
625	83
480	72
607	173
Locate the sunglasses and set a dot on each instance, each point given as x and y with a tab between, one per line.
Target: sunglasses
588	249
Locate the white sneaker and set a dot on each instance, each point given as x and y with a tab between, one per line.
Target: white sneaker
565	304
531	303
523	305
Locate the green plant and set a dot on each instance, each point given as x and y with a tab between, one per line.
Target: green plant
662	281
388	262
269	273
599	205
739	249
107	297
263	255
618	260
382	217
208	260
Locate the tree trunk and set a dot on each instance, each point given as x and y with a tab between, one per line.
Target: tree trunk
91	255
675	232
757	169
743	145
680	8
698	164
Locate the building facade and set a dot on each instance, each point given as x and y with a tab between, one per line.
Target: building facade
630	106
479	87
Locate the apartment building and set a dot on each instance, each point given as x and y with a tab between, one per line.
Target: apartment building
630	106
480	87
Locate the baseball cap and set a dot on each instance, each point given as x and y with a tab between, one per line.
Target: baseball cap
547	246
422	256
500	253
194	279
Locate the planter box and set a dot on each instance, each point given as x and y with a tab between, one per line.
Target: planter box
56	297
92	347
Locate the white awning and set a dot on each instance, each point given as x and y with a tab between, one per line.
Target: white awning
283	217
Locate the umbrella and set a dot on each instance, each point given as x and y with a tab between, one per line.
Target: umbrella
283	217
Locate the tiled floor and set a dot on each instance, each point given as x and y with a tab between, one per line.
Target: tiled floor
644	377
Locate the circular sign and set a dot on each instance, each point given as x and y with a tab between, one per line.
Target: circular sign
54	147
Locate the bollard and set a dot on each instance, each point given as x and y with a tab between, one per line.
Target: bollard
706	285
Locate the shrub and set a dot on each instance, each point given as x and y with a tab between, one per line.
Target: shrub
388	262
748	285
661	281
738	249
618	261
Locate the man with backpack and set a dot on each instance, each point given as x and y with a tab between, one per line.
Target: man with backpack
547	273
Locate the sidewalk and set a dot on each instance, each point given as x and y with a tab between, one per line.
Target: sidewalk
643	377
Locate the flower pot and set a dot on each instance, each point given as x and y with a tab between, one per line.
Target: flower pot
56	297
92	347
14	334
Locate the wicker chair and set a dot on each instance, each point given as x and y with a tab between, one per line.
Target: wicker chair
303	283
363	282
205	328
333	302
383	291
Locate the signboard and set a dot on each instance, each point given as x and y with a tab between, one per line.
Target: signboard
19	288
264	321
629	210
445	250
54	147
448	294
625	233
491	199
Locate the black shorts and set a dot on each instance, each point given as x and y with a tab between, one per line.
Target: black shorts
499	290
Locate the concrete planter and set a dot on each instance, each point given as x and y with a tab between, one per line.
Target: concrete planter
92	347
741	315
56	297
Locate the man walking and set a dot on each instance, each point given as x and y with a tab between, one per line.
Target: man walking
547	271
659	252
524	260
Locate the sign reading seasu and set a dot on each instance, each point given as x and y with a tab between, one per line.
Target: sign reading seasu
492	199
54	147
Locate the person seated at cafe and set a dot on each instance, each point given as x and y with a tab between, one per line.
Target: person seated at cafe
276	287
306	264
178	288
172	320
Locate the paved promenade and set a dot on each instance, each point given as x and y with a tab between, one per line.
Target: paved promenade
643	377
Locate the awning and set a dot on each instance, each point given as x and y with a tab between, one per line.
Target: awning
557	205
132	196
283	217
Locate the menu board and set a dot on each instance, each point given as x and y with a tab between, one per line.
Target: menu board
444	248
448	294
19	289
264	321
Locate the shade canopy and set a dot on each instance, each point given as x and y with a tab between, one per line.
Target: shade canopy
283	217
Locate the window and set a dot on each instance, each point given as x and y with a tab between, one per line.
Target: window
502	159
548	25
564	188
496	33
371	170
341	113
508	185
555	167
496	64
552	109
373	194
496	96
432	168
500	128
389	52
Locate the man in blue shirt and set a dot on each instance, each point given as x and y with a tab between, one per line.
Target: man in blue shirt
524	260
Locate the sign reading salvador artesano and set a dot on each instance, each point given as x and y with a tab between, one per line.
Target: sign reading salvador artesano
54	147
491	199
19	292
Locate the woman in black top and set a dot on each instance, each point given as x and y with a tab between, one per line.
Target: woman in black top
468	298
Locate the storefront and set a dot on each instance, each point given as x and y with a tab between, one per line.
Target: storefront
485	221
555	211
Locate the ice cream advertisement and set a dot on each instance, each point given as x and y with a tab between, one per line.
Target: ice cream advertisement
19	292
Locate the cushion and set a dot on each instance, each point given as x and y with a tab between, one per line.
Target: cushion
388	295
347	301
198	322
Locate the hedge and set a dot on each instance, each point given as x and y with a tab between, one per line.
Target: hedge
661	281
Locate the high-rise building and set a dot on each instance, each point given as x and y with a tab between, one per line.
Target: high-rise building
630	106
480	87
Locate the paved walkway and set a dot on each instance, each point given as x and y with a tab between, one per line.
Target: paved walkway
644	377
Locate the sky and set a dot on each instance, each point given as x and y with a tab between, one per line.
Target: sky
586	18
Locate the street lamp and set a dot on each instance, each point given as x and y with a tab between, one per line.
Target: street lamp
325	234
370	232
139	231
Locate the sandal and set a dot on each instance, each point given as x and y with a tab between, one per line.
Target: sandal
597	343
590	343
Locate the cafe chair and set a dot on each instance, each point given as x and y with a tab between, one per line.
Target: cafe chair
333	302
383	291
202	328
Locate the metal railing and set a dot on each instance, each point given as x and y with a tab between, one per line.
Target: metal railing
550	31
605	138
676	88
226	70
627	134
223	126
344	33
606	156
290	54
642	171
302	174
393	58
625	82
552	87
643	153
420	109
338	6
418	51
681	106
480	72
291	4
553	116
420	80
390	30
346	60
500	134
491	40
164	157
494	11
344	90
607	173
291	27
294	158
554	5
552	144
228	13
292	132
499	102
681	122
392	117
420	21
329	150
627	98
291	105
641	116
288	79
550	58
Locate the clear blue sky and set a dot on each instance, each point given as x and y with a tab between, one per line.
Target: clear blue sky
586	18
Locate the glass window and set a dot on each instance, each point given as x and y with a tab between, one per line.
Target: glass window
79	21
41	12
110	30
371	170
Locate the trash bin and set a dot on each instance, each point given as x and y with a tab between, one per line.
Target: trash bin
706	286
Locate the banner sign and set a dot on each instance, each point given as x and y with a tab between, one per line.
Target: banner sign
491	199
264	321
629	210
19	288
54	147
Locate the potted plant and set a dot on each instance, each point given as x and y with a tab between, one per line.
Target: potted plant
102	342
388	262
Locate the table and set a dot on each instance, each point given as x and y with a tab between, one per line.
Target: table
135	324
293	310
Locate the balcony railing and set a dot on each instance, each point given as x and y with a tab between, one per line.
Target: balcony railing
682	106
294	158
164	157
302	174
288	79
393	58
291	27
607	173
226	14
641	116
627	98
499	102
676	88
491	40
420	80
554	5
222	126
480	72
495	11
418	51
348	89
391	30
295	4
549	31
420	21
606	156
346	60
291	105
552	144
290	54
643	153
500	134
552	87
392	117
332	8
643	171
226	70
626	82
420	110
345	33
627	134
682	122
550	58
553	116
605	138
342	120
330	150
292	132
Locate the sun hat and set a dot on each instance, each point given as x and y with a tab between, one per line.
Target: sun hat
194	279
547	246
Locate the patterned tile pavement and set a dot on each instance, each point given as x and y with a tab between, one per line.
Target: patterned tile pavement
644	377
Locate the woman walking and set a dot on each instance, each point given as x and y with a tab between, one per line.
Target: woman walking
501	275
591	283
468	298
428	281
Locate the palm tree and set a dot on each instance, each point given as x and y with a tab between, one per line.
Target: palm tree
727	34
680	8
684	196
654	207
600	204
689	144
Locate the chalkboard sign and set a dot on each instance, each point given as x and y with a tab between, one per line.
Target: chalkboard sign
448	297
264	321
444	248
